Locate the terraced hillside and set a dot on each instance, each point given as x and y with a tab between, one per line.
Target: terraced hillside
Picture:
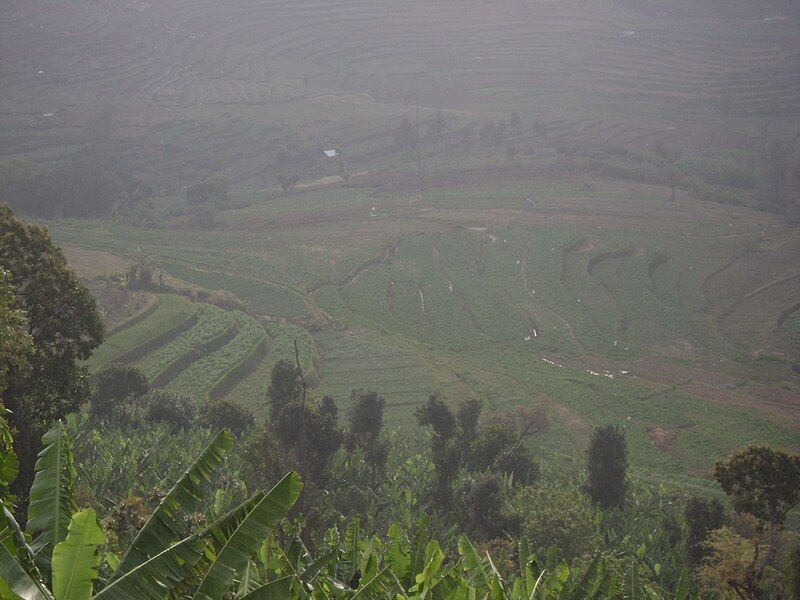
601	304
202	85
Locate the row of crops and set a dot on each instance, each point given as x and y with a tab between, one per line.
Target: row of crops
198	378
202	350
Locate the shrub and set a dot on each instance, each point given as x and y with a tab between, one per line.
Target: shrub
116	384
224	414
557	516
171	408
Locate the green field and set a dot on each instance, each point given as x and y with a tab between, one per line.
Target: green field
609	305
527	253
171	311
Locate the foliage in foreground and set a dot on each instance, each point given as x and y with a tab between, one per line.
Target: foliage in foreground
59	556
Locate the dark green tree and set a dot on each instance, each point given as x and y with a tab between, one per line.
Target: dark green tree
444	452
365	428
117	385
405	136
468	414
170	408
499	449
287	182
607	466
702	516
226	414
762	481
285	386
213	190
16	344
64	326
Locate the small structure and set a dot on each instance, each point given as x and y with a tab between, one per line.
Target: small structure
331	153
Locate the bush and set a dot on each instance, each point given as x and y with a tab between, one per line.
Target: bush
557	516
170	408
224	414
116	385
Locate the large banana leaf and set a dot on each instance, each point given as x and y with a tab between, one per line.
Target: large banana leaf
75	560
18	572
9	464
278	589
14	579
239	544
164	526
154	578
52	498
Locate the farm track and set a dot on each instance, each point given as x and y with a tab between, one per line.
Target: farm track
384	257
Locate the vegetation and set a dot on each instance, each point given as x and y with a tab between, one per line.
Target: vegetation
511	287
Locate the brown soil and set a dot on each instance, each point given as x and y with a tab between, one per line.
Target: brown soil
664	438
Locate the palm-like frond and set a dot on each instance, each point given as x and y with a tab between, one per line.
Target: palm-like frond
236	543
52	498
75	560
165	525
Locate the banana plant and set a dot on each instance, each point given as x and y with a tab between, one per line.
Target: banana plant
57	557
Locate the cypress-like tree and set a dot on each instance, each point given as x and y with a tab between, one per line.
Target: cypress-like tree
607	466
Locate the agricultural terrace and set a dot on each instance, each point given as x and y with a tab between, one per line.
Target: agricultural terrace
602	303
198	86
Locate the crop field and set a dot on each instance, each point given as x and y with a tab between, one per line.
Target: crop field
676	320
212	322
203	86
252	390
171	311
549	269
201	375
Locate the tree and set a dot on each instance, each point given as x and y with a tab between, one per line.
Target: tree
499	449
64	327
227	414
171	408
116	386
213	190
444	453
607	466
287	182
16	344
405	136
735	567
365	427
468	414
556	516
285	386
762	481
140	272
701	516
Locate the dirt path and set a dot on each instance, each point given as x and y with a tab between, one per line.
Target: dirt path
386	254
